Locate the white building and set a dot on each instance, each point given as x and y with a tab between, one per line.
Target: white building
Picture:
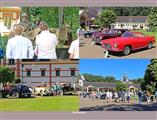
131	22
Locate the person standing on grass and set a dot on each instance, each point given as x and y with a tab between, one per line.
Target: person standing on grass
116	96
148	96
140	96
107	96
128	96
46	43
19	47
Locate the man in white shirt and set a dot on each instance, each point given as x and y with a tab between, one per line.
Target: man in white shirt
74	48
19	47
46	43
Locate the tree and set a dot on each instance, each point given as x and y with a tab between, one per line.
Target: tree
107	17
99	78
150	77
121	87
152	19
6	75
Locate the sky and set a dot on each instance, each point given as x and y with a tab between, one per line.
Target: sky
134	68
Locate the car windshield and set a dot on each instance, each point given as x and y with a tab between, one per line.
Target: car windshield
127	34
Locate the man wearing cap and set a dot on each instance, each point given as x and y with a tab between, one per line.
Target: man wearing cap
19	47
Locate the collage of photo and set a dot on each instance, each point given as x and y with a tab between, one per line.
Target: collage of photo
78	59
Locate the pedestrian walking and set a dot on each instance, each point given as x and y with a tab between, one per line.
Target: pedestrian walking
140	96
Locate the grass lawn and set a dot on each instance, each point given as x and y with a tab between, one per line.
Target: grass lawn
53	103
149	33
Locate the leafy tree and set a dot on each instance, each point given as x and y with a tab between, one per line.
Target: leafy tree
121	87
6	75
99	78
150	77
107	17
130	11
152	19
138	80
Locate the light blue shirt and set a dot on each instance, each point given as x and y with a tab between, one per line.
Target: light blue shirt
19	47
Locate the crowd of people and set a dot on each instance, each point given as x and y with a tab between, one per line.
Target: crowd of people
20	47
121	96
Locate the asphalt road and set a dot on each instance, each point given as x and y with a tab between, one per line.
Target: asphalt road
89	51
87	104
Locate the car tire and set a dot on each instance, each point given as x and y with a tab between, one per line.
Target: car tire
41	93
150	45
17	94
93	43
87	36
126	50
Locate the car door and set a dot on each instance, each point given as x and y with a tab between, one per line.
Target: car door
141	39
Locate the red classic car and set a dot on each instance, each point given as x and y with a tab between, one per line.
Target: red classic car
109	33
128	42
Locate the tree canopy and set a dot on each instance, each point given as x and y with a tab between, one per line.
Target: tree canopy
121	87
6	74
152	19
150	77
99	78
130	11
107	17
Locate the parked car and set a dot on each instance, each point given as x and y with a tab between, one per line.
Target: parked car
128	42
1	53
88	34
20	91
105	34
44	91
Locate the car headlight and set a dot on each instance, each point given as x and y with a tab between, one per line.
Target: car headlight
115	45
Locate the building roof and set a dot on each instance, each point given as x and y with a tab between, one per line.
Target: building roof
92	12
134	19
106	85
50	62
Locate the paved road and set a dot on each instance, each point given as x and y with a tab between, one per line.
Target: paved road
89	51
99	105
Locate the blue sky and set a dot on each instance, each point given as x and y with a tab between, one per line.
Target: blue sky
134	68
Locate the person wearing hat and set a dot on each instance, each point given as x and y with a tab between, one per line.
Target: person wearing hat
74	47
19	47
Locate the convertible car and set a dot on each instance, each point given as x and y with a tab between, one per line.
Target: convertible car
128	42
110	33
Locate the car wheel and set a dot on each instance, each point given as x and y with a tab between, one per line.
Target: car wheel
149	45
17	94
41	93
93	43
127	50
87	36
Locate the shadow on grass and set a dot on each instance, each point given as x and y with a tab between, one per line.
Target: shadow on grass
123	107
